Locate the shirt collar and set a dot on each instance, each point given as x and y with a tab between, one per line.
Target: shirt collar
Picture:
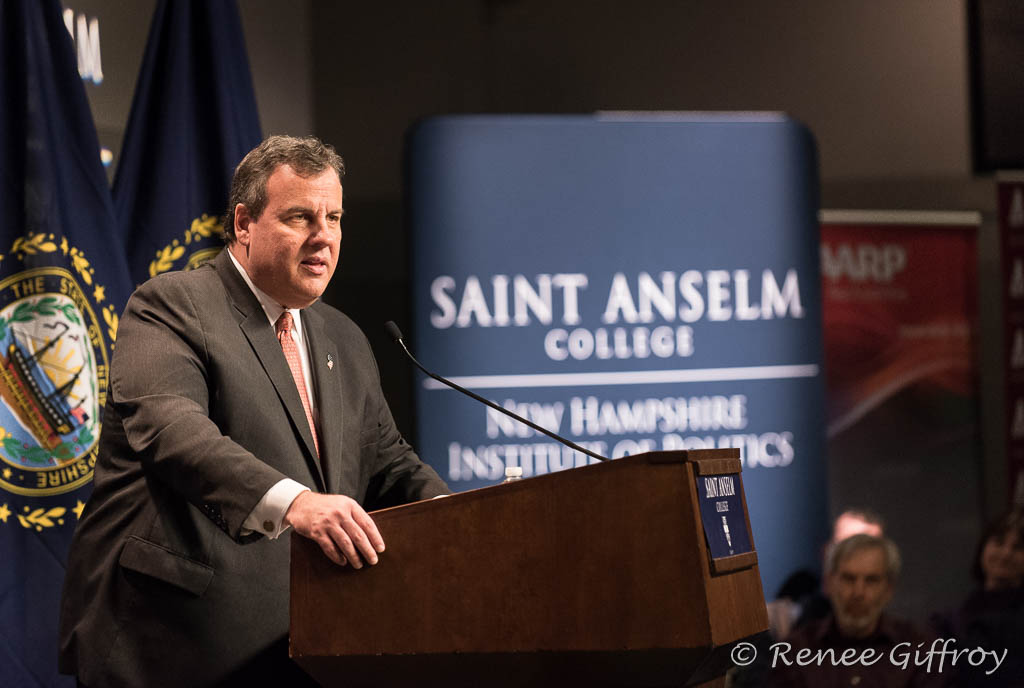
271	307
828	630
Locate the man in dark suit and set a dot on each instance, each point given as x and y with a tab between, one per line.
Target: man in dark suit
240	408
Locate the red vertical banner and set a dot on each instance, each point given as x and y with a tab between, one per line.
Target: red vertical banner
1010	204
899	298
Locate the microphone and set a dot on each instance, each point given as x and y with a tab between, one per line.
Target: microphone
396	334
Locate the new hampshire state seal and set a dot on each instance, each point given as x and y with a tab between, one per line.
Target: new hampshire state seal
56	333
53	382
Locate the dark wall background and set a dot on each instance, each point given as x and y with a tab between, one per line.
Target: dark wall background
883	84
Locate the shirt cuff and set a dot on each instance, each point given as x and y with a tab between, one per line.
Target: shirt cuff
267	517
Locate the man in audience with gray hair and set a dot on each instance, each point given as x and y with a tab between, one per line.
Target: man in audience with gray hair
860	574
802	599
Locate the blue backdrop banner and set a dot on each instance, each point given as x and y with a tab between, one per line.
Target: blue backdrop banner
63	282
193	118
634	282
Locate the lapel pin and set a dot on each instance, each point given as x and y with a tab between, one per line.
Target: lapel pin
330	362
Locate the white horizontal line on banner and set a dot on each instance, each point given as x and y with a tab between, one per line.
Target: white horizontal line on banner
690	115
900	217
639	377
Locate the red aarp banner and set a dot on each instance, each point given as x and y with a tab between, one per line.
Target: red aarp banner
900	304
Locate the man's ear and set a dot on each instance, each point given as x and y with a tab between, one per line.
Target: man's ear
242	221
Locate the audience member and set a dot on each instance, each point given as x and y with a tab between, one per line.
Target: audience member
860	574
800	598
992	617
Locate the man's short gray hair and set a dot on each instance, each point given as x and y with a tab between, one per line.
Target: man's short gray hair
308	156
839	551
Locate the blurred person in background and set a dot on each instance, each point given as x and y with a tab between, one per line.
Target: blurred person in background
861	572
992	616
800	598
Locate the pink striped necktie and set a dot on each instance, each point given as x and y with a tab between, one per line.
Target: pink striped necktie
291	354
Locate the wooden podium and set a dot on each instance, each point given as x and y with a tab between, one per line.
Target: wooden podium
598	576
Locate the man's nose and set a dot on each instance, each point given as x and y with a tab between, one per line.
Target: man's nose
321	229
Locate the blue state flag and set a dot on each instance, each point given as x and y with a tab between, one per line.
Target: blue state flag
192	120
63	282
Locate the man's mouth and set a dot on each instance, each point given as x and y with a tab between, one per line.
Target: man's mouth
315	265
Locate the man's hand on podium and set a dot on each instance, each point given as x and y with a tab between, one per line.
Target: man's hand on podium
345	533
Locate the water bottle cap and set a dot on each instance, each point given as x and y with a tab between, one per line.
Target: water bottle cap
513	471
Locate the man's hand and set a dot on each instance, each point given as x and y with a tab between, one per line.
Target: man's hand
339	525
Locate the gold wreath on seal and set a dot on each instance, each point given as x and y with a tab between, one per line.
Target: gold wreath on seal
42	518
203	227
39	519
35	243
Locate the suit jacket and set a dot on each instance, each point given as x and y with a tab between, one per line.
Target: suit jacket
203	417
